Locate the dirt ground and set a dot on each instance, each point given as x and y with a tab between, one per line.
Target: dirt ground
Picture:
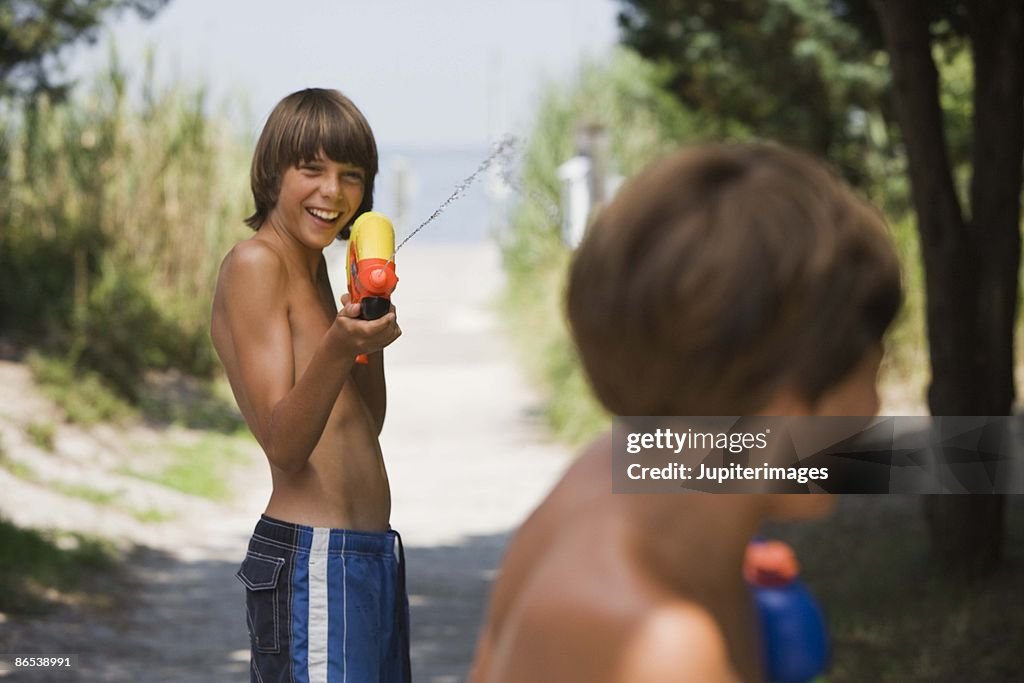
466	455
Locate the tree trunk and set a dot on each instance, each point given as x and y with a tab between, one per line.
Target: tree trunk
971	265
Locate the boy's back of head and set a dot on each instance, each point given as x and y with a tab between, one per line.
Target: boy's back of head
724	274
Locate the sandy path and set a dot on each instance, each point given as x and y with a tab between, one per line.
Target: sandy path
466	460
467	463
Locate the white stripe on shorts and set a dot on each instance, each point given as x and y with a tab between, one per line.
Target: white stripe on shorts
317	653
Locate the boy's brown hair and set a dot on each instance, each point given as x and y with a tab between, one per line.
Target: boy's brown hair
301	125
725	273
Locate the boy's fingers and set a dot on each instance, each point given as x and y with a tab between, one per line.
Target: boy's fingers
350	310
389	325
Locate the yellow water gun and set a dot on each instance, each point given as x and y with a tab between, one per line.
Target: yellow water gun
370	269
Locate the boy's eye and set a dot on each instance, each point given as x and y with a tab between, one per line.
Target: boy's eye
353	177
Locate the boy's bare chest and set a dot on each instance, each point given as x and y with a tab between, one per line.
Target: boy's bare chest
311	312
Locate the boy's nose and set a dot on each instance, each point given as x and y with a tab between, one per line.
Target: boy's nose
330	187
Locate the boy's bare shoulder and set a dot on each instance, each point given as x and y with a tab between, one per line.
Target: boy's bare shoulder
254	254
255	262
677	642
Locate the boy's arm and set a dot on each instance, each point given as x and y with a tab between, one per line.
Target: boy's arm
677	643
287	414
481	668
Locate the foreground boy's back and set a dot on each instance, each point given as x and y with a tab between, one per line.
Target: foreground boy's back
725	280
325	598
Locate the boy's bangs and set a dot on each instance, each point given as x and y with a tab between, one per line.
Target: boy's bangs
341	138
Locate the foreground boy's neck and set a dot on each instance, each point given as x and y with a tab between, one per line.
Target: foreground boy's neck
718	524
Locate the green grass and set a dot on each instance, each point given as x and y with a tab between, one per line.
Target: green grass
165	399
83	396
110	498
195	404
82	492
87	493
151	515
38	568
892	617
42	434
201	469
17	468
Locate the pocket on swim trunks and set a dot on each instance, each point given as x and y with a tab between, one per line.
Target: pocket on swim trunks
261	575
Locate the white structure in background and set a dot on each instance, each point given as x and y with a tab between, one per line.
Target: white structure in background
586	183
404	193
576	199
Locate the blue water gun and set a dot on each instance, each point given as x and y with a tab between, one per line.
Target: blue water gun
794	635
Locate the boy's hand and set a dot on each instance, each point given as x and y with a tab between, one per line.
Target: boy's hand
364	336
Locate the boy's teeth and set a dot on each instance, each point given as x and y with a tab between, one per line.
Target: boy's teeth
325	215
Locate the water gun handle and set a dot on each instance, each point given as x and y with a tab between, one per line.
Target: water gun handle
370	269
375	280
794	634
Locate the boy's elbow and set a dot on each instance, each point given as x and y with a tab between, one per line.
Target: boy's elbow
286	462
286	466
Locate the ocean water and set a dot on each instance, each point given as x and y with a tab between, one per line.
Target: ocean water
412	183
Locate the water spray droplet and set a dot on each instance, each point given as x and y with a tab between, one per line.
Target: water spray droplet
501	150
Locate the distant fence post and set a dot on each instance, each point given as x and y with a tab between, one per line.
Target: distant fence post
586	183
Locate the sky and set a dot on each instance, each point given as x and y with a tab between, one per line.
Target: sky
426	73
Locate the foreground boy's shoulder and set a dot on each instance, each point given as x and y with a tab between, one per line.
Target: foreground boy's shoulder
677	642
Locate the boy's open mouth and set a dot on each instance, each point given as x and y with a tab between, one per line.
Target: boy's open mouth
323	216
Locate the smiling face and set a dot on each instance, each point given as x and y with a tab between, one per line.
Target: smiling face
305	130
317	199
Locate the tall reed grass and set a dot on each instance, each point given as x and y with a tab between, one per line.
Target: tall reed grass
116	207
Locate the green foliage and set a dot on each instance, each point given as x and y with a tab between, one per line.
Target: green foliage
809	73
187	402
33	33
789	70
904	366
118	209
626	98
84	396
35	564
956	89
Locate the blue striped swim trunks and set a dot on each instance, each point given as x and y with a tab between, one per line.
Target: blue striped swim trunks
325	605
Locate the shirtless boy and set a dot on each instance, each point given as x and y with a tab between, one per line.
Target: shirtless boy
324	575
724	280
